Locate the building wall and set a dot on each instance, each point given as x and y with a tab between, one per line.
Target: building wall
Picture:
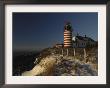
82	44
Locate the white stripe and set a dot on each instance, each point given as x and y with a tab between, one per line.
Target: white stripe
67	31
67	43
67	38
67	34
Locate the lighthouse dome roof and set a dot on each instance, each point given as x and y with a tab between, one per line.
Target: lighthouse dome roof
68	26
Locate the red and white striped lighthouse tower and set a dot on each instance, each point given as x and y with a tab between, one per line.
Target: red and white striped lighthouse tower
68	35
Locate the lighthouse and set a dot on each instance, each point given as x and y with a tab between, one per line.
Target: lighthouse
67	35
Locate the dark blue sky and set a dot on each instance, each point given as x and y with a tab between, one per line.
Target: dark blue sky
39	30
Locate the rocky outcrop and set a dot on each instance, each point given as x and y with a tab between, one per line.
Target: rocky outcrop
53	64
62	66
45	67
70	66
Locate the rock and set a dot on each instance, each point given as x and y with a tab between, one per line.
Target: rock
72	72
45	67
56	65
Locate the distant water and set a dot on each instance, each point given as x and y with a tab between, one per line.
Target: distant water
23	61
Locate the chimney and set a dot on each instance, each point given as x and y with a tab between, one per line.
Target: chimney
85	36
77	34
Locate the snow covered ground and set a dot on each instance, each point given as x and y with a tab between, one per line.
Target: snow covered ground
58	65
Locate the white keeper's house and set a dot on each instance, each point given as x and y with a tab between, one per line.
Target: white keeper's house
83	41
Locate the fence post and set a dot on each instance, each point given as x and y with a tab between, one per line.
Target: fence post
67	51
62	52
74	52
85	54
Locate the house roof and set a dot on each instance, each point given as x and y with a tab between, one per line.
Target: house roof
84	38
